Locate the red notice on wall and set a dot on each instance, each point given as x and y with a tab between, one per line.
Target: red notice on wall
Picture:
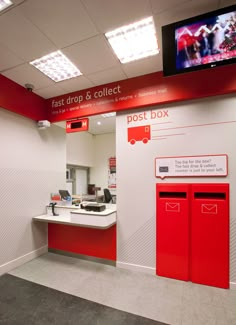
77	125
112	173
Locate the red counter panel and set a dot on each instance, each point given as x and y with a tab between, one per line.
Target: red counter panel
87	241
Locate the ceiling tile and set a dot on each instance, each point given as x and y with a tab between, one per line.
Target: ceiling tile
63	22
75	84
22	37
92	55
226	3
50	91
8	59
186	10
108	14
194	8
33	28
107	76
159	6
25	73
144	66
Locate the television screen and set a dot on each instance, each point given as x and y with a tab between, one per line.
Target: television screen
201	42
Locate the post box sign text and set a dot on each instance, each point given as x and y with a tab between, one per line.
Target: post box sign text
142	126
192	166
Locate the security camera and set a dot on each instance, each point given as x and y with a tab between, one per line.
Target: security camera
29	87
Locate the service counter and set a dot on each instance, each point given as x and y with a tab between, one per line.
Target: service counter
84	233
72	215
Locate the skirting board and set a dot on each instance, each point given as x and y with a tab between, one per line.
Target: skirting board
135	267
83	257
232	285
151	270
22	259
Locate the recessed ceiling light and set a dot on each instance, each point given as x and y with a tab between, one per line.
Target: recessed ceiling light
56	66
99	123
108	114
134	41
4	4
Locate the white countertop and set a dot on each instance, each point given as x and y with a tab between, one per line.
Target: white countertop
106	212
81	218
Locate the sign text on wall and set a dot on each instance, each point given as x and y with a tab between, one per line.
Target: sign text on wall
191	166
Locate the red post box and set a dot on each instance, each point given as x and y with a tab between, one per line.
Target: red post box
172	212
210	234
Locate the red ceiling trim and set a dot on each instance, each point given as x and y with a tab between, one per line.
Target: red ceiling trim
17	99
147	90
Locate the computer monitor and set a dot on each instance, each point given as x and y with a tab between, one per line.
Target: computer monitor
64	194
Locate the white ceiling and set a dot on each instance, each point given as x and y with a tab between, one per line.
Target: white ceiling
33	28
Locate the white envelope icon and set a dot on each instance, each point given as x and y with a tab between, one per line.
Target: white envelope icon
209	208
172	207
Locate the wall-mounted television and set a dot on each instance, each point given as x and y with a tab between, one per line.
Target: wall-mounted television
201	42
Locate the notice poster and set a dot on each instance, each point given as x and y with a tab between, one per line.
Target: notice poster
112	172
191	166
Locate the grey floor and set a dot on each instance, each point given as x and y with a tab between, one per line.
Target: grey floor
24	302
165	300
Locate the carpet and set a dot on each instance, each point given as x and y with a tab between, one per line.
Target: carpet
26	303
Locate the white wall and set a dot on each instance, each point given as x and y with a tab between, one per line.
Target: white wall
84	149
194	128
80	149
32	165
104	148
81	181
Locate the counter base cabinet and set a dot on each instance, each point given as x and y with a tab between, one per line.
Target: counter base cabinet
93	242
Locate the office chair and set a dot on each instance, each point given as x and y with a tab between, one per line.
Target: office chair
107	196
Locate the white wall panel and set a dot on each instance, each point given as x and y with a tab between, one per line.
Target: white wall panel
32	165
80	149
233	247
192	128
84	149
104	148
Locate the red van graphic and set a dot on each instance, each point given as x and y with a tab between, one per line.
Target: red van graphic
139	133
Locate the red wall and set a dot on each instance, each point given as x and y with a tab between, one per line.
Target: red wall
17	99
143	91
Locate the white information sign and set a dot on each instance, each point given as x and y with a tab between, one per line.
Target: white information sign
191	166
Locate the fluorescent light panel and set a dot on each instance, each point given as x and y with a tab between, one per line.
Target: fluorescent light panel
56	66
134	41
4	4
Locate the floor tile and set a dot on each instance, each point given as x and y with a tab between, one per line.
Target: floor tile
201	294
158	298
203	314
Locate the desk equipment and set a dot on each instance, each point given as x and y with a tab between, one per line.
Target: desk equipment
95	207
53	208
64	194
